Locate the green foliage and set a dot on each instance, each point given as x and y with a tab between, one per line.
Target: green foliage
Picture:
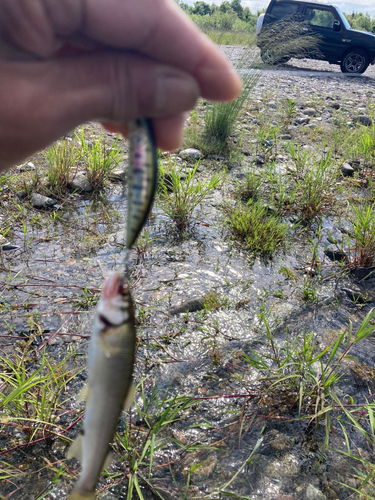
62	157
250	188
363	252
100	160
360	21
179	198
256	229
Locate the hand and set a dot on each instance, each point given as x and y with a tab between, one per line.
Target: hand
131	59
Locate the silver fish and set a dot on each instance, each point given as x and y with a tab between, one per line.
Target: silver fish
109	387
142	179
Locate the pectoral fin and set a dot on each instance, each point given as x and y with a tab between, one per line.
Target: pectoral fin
75	449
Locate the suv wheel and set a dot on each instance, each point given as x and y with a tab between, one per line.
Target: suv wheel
355	61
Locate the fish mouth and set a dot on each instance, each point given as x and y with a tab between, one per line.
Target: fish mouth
113	286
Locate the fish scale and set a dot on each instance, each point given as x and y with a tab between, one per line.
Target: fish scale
143	173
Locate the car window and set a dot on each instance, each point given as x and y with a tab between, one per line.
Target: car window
319	17
280	10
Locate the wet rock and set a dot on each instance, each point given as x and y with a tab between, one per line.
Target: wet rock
335	254
347	170
281	441
363	273
80	183
287	466
310	111
356	296
313	493
191	305
190	153
285	137
40	201
118	174
363	120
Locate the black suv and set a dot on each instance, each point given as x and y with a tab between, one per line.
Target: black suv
338	43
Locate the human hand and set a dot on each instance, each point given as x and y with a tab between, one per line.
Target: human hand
135	58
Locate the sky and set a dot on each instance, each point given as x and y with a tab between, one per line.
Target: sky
346	6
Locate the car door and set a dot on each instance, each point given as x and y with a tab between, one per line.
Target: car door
320	21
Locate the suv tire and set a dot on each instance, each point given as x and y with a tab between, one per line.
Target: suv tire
354	61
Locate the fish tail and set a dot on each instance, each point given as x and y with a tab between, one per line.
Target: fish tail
81	495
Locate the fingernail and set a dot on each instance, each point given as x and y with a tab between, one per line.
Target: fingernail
176	91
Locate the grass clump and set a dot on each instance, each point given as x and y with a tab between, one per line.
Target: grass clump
256	229
62	157
250	189
100	160
363	252
179	198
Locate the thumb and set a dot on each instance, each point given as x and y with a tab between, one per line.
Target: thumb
50	98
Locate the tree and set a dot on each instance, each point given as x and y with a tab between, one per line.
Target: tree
237	7
201	8
225	7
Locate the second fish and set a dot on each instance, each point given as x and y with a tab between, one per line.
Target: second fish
142	178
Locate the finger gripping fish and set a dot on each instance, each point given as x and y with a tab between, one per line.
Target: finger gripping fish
109	386
143	173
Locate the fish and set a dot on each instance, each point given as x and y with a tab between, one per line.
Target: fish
109	385
142	177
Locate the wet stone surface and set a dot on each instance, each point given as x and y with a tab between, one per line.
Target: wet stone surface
237	427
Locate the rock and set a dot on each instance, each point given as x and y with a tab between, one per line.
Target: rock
285	137
309	111
190	153
118	174
259	160
347	170
268	143
363	120
302	120
286	466
40	201
281	441
313	493
335	254
235	165
27	166
356	296
272	104
311	126
363	273
80	183
335	105
191	305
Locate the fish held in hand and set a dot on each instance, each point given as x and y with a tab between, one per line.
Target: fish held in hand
143	173
109	387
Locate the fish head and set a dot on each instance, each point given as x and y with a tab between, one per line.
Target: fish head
115	306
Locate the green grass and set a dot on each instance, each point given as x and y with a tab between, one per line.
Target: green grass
250	188
178	199
231	37
62	157
99	160
362	253
257	231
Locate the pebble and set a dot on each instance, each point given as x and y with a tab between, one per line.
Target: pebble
80	183
335	254
285	137
310	111
40	201
363	120
302	120
363	273
26	167
272	104
191	305
190	153
347	170
313	493
118	174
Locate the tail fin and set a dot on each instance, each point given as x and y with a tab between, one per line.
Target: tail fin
77	495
